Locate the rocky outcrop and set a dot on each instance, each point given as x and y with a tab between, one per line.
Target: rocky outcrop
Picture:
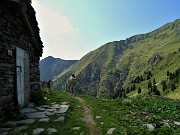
155	59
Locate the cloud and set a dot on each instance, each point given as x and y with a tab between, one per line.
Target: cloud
60	38
51	21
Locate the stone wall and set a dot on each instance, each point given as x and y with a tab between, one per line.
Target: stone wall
13	33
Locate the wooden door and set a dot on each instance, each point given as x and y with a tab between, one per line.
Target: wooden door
22	73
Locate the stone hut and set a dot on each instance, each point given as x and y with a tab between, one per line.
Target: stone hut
20	52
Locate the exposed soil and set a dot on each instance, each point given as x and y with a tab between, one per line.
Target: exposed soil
88	118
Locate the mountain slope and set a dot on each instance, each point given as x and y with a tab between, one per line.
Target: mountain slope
51	67
157	52
112	68
94	71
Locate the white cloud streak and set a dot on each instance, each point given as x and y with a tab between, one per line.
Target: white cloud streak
60	38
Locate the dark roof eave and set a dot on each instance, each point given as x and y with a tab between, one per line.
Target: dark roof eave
31	28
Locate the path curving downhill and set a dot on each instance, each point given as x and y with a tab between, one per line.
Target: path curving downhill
88	118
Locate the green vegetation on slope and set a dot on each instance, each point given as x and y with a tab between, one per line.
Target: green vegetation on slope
130	116
110	69
95	71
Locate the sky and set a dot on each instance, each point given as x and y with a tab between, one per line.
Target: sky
69	29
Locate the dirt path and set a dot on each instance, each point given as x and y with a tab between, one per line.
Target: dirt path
88	118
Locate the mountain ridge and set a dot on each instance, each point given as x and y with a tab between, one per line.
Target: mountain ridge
113	66
51	67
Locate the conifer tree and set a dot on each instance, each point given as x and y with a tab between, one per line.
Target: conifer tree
145	72
177	73
149	84
167	72
148	76
173	87
120	94
170	76
127	90
134	87
131	88
154	81
155	90
164	85
151	89
139	79
139	90
177	80
174	75
124	94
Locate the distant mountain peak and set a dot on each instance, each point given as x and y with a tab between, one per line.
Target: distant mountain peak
51	67
49	57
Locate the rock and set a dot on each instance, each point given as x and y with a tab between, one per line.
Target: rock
50	113
63	109
177	123
19	129
36	115
24	134
53	103
60	119
150	127
11	123
166	123
5	133
44	120
28	110
75	128
51	130
98	117
110	131
27	121
40	108
155	59
50	110
31	105
126	101
44	106
5	129
38	131
55	106
65	103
